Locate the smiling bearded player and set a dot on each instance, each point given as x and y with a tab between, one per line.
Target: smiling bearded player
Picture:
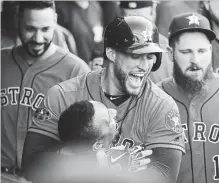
146	115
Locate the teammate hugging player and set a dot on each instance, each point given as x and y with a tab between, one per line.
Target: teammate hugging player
145	114
195	88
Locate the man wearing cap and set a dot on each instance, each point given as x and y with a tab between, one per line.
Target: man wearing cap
147	9
195	88
146	115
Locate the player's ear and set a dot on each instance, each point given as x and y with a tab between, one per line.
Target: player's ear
170	53
111	54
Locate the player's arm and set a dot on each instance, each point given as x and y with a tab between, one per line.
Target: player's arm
43	132
163	167
165	137
35	144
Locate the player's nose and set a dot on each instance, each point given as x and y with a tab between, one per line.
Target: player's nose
38	37
195	58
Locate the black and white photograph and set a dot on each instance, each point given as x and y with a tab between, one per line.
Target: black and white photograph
110	91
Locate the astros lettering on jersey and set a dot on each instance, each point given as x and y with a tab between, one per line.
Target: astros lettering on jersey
151	118
200	122
22	90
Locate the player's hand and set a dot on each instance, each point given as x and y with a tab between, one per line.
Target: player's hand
139	159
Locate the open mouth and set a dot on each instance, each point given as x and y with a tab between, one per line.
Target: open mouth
194	69
136	78
37	47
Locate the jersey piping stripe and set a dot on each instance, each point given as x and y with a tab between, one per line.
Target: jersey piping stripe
38	74
206	178
88	87
190	146
19	97
43	130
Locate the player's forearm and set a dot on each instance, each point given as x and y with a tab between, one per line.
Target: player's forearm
157	174
34	145
164	166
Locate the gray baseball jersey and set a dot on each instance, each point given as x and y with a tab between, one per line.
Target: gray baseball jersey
22	90
200	121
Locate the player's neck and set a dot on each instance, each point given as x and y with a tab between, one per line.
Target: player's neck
32	60
109	83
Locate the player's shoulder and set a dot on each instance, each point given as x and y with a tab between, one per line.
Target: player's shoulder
158	97
6	50
156	90
6	55
214	84
167	82
71	59
68	55
78	83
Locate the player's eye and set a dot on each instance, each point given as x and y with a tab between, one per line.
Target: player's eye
150	56
30	28
45	29
202	50
184	51
135	56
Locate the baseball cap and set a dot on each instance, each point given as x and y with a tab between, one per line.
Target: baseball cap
190	21
132	34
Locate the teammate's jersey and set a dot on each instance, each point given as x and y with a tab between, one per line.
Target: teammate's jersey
22	90
151	117
200	121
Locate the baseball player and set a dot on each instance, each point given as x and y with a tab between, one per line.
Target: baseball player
28	71
195	88
146	115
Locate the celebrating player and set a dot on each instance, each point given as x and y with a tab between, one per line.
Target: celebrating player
28	71
146	115
195	89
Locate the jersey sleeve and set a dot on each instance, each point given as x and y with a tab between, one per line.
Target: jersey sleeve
45	118
164	128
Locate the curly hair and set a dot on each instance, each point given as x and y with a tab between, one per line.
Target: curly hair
75	123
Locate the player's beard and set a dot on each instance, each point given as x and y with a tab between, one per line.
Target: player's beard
27	45
121	77
188	84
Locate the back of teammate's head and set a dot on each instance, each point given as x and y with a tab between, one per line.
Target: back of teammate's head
35	5
75	123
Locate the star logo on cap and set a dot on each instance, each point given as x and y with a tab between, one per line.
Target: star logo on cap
193	19
147	35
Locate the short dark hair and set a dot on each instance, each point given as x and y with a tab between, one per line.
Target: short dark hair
75	123
35	5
